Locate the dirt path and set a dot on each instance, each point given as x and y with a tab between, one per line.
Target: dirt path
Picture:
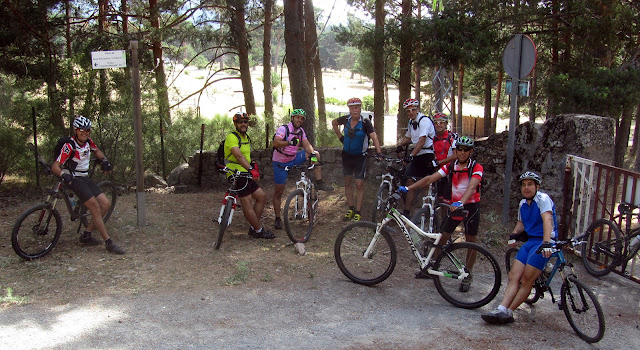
172	290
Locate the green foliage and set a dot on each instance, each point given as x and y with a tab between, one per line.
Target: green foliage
241	274
9	298
334	101
367	103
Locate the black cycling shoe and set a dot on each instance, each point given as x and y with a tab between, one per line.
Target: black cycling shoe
278	224
266	234
87	239
420	275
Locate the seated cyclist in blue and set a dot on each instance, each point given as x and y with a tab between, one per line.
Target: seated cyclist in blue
355	137
237	151
286	142
536	220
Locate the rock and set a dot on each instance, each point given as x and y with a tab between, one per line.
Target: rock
299	247
153	180
174	176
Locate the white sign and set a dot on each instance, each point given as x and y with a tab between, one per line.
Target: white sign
108	59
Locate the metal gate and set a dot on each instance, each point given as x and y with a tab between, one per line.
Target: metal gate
593	190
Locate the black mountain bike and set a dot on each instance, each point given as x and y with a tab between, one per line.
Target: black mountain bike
38	229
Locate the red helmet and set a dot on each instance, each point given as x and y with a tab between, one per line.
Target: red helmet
440	117
410	103
354	101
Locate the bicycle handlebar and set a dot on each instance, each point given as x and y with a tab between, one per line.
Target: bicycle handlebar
558	245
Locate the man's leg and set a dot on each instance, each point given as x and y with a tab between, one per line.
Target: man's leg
360	194
98	206
261	199
278	190
249	212
529	276
504	312
348	190
408	199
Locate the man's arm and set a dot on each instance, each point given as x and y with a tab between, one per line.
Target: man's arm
335	124
471	189
307	146
279	142
419	145
373	136
449	159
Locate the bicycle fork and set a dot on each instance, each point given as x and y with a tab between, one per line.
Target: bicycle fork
227	197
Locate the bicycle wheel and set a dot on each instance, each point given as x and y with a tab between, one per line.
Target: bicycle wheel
422	219
224	223
536	290
380	208
34	234
582	309
109	189
602	249
485	275
298	217
351	244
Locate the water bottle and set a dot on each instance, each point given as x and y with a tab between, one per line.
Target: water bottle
72	200
635	242
547	269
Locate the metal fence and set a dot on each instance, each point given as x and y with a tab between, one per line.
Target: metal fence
592	191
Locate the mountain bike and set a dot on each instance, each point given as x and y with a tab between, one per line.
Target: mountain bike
389	183
607	247
301	206
366	253
229	202
579	303
37	231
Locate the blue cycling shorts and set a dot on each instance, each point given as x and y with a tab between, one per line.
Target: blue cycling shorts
279	174
528	256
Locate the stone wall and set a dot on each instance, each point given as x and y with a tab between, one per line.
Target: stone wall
540	148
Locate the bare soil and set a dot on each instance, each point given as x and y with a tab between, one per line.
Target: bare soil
173	290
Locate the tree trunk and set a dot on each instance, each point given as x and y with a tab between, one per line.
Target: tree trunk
293	38
239	32
322	112
622	136
460	81
454	120
161	79
310	46
404	81
378	72
417	70
494	121
102	84
636	133
532	98
70	87
487	105
266	61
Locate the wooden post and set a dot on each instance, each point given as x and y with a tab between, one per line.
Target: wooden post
35	145
137	127
200	157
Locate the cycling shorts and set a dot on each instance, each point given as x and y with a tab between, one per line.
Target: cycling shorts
279	174
471	222
246	186
84	188
354	165
528	256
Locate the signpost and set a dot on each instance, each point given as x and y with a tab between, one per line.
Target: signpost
518	59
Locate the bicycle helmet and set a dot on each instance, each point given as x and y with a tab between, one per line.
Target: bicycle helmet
530	175
240	116
440	117
465	141
299	111
354	101
410	103
82	122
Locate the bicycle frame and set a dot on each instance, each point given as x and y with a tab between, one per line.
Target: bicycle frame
307	187
402	222
228	197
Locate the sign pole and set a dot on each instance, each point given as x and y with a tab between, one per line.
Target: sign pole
137	127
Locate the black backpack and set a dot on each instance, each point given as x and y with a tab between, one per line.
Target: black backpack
69	163
446	193
221	158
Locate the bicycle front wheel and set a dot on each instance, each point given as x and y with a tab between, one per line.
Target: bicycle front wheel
602	249
422	218
298	217
583	310
109	190
351	245
484	279
536	290
224	223
36	232
382	201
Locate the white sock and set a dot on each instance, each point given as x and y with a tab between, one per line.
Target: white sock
503	308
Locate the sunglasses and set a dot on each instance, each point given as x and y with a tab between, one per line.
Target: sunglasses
85	130
242	122
463	149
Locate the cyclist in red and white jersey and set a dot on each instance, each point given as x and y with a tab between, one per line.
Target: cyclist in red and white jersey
77	154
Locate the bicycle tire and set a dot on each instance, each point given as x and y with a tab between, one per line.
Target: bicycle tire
109	189
421	219
380	206
29	239
350	246
486	275
297	227
536	290
602	249
224	223
581	314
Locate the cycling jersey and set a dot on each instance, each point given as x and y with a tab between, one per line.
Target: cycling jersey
288	153
531	215
81	155
245	148
443	145
356	139
419	127
460	180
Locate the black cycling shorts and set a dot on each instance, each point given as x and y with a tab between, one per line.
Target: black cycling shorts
471	222
245	186
421	166
84	188
354	165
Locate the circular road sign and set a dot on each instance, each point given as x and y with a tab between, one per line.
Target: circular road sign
519	56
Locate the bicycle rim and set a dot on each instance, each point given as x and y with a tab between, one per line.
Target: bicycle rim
109	190
602	248
351	244
485	274
224	222
380	204
583	311
298	217
36	232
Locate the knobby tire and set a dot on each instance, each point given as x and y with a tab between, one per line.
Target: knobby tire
34	235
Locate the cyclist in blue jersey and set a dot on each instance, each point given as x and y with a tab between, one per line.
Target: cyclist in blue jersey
537	222
355	137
